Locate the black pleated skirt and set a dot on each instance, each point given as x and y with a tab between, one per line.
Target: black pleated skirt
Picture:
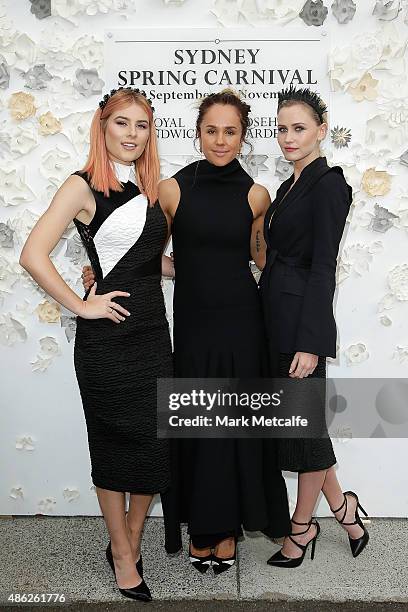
304	454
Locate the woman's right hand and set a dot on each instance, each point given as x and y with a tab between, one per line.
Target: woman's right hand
103	306
88	277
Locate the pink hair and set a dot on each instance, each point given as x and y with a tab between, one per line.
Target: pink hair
98	166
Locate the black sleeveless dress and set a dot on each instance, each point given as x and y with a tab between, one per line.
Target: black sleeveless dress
117	364
218	485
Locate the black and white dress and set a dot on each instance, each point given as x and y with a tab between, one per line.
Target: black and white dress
117	364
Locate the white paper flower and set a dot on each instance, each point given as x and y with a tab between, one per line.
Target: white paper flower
41	364
387	10
6	236
279	10
13	190
401	353
393	102
54	50
22	54
357	257
11	330
283	168
63	97
88	83
22	140
25	443
57	165
9	274
71	494
394	48
366	51
398	282
89	52
227	12
385	320
68	9
356	353
68	322
77	129
22	224
47	505
381	137
17	493
49	346
387	302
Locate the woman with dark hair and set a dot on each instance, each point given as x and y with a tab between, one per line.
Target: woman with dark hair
219	485
303	229
122	340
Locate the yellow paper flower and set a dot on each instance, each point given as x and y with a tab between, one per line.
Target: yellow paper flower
376	182
365	88
49	124
48	312
22	105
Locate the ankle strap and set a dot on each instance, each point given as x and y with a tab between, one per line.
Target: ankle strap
338	509
301	532
296	523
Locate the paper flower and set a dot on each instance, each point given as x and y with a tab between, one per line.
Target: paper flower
23	139
356	353
25	443
49	124
48	312
47	505
22	224
13	190
65	9
88	82
383	219
227	12
56	165
89	52
314	12
75	251
376	183
37	77
63	98
283	168
401	353
9	274
54	50
385	320
343	10
41	364
281	11
41	8
6	236
68	322
77	129
381	138
404	158
49	346
357	258
21	105
398	282
254	164
387	302
4	74
11	330
16	493
393	102
340	137
387	10
366	50
21	53
70	494
365	89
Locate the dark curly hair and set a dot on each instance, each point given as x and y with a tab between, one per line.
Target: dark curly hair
226	96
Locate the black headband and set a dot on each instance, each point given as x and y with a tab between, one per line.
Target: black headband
106	97
303	95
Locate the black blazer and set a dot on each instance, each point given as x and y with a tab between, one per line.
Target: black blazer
303	229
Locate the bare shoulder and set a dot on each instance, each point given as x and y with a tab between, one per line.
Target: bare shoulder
259	199
169	194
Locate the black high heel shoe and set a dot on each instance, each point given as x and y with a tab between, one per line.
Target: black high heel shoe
199	563
357	545
220	565
139	562
279	560
140	592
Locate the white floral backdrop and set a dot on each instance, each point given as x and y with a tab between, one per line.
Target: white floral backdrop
51	78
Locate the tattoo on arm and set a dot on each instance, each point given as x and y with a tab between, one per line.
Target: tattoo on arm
258	241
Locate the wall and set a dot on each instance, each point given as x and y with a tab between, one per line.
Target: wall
47	96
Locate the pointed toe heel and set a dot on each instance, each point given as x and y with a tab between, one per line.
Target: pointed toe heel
201	564
280	560
357	545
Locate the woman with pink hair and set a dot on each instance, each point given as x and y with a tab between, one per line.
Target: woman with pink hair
122	341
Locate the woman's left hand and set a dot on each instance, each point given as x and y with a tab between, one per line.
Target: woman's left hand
302	365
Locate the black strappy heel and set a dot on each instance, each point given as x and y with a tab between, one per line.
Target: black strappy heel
279	560
357	545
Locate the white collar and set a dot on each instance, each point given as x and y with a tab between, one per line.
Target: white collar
125	173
